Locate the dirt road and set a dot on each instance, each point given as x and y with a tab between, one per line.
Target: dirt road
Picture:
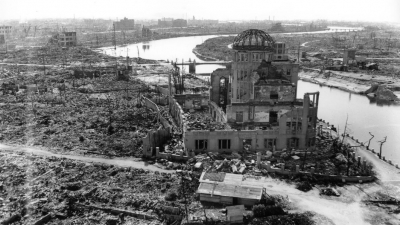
123	162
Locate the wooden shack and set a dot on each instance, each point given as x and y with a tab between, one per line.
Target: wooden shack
228	194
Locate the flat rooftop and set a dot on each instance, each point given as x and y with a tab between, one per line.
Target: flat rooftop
234	179
230	190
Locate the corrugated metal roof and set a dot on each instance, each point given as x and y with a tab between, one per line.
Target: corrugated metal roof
228	190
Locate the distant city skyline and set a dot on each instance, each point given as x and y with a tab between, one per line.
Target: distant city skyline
344	10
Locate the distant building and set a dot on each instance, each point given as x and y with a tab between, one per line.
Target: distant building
146	32
195	22
64	39
169	22
179	23
67	39
125	24
165	22
5	30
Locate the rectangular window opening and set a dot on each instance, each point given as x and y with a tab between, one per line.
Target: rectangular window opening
224	144
273	95
201	144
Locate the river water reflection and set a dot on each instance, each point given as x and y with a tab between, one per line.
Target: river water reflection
364	116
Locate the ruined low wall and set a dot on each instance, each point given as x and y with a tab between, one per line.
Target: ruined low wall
176	112
319	176
155	139
183	156
150	104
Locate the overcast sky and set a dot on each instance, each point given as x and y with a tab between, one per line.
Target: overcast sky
355	10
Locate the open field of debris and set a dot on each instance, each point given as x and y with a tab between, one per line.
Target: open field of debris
49	190
68	113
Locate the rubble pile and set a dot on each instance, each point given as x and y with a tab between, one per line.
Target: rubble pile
332	158
69	191
54	55
106	118
329	192
202	120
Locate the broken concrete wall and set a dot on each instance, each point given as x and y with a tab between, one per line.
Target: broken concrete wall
289	70
176	112
155	139
217	140
319	176
217	113
216	77
192	101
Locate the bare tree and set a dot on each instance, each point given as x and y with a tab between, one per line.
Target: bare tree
380	149
369	141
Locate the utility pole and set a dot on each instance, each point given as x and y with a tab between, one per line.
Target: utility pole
298	53
115	50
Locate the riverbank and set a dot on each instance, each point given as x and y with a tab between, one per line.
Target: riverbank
357	83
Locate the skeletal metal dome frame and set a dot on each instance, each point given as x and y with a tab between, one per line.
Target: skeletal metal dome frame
263	41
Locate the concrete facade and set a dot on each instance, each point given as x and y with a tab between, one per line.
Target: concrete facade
125	24
169	22
67	39
5	30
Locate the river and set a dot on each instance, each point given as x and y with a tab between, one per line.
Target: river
364	115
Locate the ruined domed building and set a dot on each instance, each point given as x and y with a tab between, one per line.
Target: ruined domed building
257	98
252	105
